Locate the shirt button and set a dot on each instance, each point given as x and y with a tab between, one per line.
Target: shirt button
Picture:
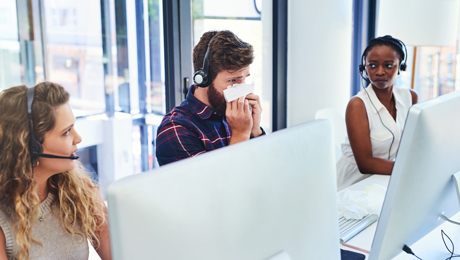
215	113
40	219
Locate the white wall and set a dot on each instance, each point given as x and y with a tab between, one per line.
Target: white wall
319	57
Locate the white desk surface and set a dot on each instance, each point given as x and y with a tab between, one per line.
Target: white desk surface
429	247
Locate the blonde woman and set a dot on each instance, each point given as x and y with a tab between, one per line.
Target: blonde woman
49	207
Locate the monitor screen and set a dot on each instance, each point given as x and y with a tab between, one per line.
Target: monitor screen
274	195
421	186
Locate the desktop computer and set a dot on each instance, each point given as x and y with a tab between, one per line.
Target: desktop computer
272	197
421	186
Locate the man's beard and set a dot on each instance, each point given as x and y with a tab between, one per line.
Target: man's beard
217	100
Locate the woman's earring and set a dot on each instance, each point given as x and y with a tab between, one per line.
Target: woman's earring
37	163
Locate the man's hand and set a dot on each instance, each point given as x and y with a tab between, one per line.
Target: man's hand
239	119
254	102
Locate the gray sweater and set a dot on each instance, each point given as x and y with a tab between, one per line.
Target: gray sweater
57	244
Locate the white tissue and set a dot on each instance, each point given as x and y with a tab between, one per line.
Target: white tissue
237	90
357	204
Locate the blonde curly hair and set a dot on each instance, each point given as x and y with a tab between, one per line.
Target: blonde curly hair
81	211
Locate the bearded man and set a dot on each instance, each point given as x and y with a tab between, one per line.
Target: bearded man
204	121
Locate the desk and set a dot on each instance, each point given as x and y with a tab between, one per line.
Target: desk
429	247
364	238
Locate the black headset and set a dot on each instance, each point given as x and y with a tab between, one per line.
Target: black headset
200	77
35	147
385	40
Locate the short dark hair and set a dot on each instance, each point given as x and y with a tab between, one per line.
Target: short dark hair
389	41
226	52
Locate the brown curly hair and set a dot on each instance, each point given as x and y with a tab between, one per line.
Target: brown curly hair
74	191
226	52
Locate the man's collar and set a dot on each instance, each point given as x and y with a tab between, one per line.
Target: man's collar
200	108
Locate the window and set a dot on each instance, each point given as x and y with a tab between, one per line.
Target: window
150	66
435	71
243	17
73	52
156	73
10	63
432	43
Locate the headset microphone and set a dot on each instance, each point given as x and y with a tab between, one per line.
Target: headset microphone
57	156
35	148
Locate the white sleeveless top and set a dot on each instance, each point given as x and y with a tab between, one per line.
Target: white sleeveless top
381	138
57	243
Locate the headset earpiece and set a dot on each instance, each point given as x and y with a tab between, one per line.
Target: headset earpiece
363	72
362	68
35	148
200	77
403	66
402	46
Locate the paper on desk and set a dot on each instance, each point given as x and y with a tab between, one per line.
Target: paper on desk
357	204
375	198
237	90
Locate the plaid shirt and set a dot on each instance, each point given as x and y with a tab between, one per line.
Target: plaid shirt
190	129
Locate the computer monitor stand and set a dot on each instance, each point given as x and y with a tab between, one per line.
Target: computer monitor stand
438	254
456	177
283	255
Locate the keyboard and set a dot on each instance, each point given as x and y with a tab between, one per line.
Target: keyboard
348	228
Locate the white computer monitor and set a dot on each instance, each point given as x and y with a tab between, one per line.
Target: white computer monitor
421	186
271	195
